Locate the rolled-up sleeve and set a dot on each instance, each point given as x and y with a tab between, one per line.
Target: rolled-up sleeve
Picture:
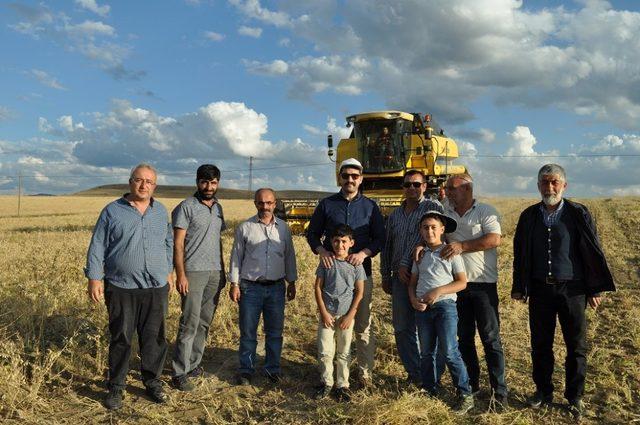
290	267
387	252
168	241
237	253
376	231
95	254
316	227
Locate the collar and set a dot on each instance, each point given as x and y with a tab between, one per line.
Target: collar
199	198
126	201
357	197
256	219
438	249
557	210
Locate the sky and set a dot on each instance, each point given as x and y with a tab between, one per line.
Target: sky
90	88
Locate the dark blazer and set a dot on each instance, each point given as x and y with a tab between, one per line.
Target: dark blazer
597	276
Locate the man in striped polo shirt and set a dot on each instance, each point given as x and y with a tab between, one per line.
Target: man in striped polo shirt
402	236
131	250
197	257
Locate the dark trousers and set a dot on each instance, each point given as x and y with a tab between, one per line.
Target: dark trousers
478	306
141	311
567	303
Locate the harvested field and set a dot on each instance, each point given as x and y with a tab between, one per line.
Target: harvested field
53	343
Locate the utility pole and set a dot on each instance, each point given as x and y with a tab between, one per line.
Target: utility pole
19	190
250	175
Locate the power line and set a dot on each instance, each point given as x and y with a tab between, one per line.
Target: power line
313	164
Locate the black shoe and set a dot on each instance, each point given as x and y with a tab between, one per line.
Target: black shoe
243	379
500	403
157	394
274	378
198	372
113	400
464	404
538	399
342	395
414	380
182	383
577	408
322	391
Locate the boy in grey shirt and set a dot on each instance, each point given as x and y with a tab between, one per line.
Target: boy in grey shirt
432	291
338	290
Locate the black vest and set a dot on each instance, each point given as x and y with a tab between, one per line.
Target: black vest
555	249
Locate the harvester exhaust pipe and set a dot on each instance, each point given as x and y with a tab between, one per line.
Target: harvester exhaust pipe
330	145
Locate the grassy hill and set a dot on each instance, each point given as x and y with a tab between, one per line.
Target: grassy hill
168	191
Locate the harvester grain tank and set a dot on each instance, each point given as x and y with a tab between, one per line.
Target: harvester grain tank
387	143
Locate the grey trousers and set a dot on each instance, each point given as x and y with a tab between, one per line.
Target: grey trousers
198	307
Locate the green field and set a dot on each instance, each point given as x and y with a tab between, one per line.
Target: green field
53	343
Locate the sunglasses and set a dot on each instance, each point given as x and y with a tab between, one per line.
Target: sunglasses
414	184
345	176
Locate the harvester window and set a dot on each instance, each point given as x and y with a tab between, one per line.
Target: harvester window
380	144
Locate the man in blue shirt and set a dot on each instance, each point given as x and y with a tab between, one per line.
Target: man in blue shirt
350	207
131	250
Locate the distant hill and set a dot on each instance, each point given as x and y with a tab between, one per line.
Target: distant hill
184	191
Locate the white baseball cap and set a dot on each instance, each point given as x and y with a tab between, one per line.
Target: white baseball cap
351	163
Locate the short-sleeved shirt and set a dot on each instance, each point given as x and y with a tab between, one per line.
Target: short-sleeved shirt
202	240
434	271
338	286
477	221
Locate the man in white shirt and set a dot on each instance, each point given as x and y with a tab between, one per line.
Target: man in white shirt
476	239
262	259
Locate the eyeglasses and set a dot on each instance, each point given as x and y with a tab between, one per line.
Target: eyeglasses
265	203
345	176
407	185
139	181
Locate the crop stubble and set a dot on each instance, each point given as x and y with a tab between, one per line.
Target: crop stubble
53	343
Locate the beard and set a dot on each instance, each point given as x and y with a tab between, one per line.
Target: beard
205	196
551	200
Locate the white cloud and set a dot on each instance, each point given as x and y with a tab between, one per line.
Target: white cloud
253	9
275	67
486	135
92	39
92	6
584	60
5	113
250	31
30	160
46	79
312	130
213	36
90	29
284	42
522	142
312	75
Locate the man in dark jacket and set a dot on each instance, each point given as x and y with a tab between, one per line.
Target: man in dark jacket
560	267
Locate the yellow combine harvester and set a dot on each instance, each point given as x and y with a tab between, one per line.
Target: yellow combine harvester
387	143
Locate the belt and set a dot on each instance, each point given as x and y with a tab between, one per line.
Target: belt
266	282
550	280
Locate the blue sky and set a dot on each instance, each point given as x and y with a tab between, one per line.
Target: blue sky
89	88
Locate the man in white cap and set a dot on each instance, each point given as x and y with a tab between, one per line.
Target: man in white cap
350	207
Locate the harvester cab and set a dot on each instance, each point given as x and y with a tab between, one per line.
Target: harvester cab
387	143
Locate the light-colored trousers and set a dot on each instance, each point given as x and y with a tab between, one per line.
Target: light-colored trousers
364	332
334	342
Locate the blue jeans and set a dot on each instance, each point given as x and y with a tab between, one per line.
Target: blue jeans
438	331
254	300
404	328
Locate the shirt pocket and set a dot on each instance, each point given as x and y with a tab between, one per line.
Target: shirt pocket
476	230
